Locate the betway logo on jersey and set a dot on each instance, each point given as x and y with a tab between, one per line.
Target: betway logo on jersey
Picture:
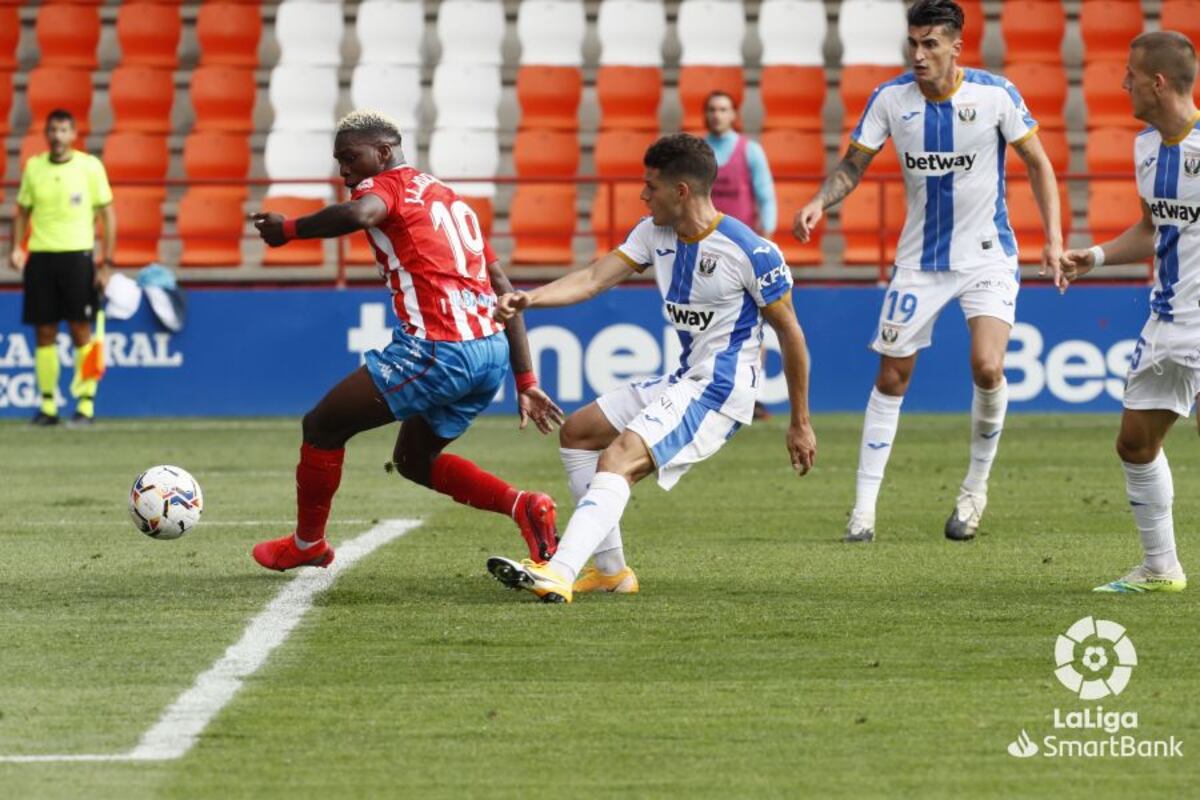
690	318
932	164
1174	212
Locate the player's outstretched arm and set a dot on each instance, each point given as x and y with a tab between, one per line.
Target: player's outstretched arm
837	185
1135	244
574	287
801	440
17	257
1045	193
532	403
328	223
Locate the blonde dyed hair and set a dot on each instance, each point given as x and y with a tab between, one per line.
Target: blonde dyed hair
370	123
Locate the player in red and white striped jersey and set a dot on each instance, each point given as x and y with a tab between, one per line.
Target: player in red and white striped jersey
448	356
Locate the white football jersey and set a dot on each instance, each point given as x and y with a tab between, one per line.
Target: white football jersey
1168	180
952	154
712	288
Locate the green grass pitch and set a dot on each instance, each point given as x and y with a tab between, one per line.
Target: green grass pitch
763	658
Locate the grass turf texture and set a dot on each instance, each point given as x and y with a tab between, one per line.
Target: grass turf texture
764	658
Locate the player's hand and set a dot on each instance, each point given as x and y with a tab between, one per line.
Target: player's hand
510	304
802	446
536	405
103	274
17	259
1052	254
270	228
1076	264
806	220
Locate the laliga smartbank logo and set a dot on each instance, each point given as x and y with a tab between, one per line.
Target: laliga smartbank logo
1094	659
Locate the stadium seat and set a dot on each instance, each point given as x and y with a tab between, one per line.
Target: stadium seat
1108	26
872	32
33	143
1113	205
790	197
549	96
457	153
290	155
631	33
1054	142
67	35
10	36
136	156
215	155
1110	150
972	35
309	32
866	242
467	95
60	87
697	82
711	32
618	154
542	221
390	32
551	32
629	97
149	34
1033	31
303	97
1182	16
484	212
1026	219
6	101
794	152
792	96
792	33
471	31
210	224
140	217
394	89
141	98
858	82
298	252
1107	103
229	33
539	153
223	98
1043	87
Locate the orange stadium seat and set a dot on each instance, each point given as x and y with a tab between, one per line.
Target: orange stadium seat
1110	150
60	87
794	152
790	197
972	35
299	252
149	34
229	33
140	216
485	212
1182	16
1026	220
6	101
10	35
1033	31
210	224
542	221
141	99
618	154
792	96
1113	205
858	82
223	98
697	82
67	35
549	96
1108	26
866	242
1107	103
135	156
214	155
1054	142
32	144
629	97
1043	87
545	152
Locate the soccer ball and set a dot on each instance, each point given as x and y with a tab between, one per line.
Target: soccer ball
165	502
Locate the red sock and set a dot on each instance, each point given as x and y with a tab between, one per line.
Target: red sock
471	486
317	477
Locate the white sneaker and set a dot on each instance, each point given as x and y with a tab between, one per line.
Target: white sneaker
1141	579
860	528
964	520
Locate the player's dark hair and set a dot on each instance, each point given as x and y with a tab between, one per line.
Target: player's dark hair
1171	55
681	156
720	93
60	115
946	13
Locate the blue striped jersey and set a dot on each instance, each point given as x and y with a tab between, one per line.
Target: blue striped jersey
952	152
713	286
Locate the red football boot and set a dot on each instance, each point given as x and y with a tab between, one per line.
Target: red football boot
282	554
535	513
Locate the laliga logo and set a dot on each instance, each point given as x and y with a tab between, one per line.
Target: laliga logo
1095	658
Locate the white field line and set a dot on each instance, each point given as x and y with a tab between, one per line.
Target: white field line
224	523
185	719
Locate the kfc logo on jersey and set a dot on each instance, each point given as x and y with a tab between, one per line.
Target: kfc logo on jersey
934	164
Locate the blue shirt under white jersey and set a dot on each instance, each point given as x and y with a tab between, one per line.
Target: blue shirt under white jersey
952	152
713	286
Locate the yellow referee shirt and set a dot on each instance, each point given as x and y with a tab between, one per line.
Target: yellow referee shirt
63	199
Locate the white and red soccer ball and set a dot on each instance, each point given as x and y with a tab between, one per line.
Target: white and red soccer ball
165	502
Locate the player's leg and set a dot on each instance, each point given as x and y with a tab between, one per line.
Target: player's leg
40	309
586	433
77	287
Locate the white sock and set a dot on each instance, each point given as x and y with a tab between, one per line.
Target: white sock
597	513
988	407
879	430
581	466
1151	491
303	545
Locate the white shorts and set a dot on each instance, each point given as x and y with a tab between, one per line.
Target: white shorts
915	299
1164	371
677	429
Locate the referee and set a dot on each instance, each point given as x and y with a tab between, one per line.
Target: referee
63	194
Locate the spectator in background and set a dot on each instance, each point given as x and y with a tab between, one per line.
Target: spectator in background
63	194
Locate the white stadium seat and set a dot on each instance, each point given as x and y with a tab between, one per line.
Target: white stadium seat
872	32
304	98
390	31
309	32
471	31
551	32
390	88
457	153
631	33
792	32
711	32
467	96
299	154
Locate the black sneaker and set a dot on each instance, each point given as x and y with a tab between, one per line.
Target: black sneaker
44	420
80	421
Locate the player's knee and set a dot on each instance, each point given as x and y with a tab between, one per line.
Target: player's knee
893	380
418	469
988	373
1135	449
577	434
317	431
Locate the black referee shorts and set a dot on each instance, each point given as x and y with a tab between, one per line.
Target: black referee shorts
59	286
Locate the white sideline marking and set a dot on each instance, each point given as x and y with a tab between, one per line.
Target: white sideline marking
185	719
222	523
